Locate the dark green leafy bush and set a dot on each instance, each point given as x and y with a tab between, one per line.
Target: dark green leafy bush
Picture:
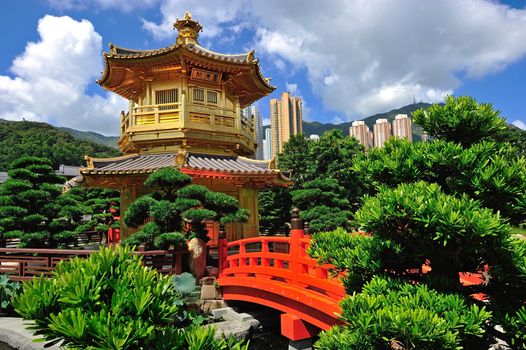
361	256
392	314
486	171
461	120
455	234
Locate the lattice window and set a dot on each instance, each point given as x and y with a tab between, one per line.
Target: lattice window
166	96
211	96
199	95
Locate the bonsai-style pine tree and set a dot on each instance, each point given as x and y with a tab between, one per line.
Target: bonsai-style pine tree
174	203
323	204
27	202
102	205
315	166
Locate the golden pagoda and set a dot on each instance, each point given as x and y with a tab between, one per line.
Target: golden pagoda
185	107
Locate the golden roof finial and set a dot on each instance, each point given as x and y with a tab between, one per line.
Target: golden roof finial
188	30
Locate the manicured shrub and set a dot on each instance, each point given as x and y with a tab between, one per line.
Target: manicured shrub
174	203
323	204
486	171
109	301
461	120
168	239
27	202
390	314
455	234
360	256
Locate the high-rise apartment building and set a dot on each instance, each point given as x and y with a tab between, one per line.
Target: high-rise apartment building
285	120
382	132
267	144
361	132
248	112
402	127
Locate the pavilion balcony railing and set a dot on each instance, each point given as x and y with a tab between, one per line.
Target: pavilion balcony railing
186	115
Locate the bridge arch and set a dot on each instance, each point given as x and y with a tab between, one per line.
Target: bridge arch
277	272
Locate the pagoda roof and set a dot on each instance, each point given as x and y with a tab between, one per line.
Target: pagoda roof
118	60
124	53
196	165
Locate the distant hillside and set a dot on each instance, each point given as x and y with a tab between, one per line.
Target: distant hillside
43	140
318	128
110	141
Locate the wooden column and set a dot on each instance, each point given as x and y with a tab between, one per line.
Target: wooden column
222	249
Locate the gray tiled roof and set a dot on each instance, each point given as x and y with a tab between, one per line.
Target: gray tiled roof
149	162
137	163
225	163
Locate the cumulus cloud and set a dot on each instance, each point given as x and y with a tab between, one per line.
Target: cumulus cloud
217	16
367	56
520	124
51	76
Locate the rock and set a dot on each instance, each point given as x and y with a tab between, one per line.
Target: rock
208	306
197	257
207	281
208	292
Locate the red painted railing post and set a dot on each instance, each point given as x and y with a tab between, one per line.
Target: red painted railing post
296	234
222	249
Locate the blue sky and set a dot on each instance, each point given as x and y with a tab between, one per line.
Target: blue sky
346	59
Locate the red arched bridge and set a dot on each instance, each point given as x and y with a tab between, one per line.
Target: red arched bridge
277	272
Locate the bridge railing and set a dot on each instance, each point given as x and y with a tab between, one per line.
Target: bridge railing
280	259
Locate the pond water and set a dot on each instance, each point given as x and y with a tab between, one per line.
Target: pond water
268	337
268	340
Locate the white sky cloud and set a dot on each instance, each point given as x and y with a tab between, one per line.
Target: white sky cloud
51	77
367	56
520	124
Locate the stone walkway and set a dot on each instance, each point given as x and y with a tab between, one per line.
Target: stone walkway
14	333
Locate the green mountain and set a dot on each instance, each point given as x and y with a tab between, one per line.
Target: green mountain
110	141
310	128
24	138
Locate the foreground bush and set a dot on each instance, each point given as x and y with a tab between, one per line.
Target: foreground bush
391	314
110	301
455	234
8	290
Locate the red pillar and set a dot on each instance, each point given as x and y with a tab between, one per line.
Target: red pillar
296	233
294	328
222	249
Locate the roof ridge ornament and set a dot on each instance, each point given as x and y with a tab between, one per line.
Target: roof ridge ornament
188	30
